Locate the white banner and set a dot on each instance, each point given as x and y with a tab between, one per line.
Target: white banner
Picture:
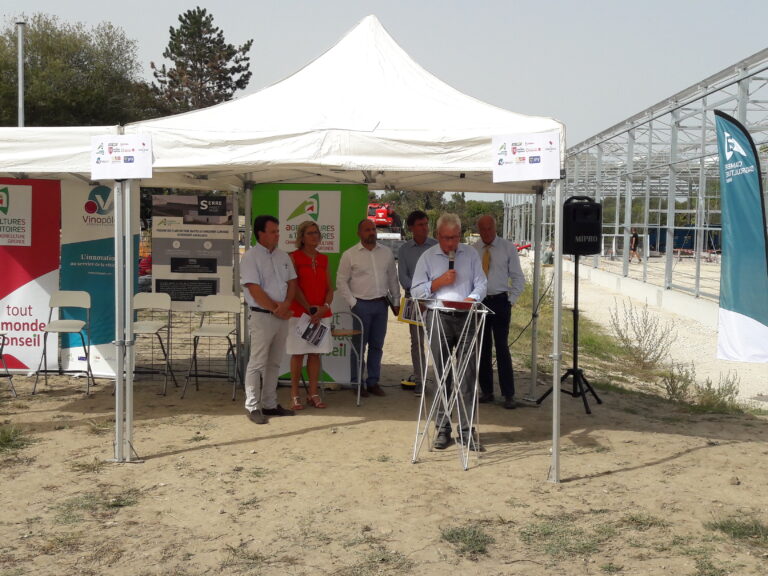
521	157
121	157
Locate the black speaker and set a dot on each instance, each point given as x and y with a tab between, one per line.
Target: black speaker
582	226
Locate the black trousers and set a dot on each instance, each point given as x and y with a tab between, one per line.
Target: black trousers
496	333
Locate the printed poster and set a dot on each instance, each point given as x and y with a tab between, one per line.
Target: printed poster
88	263
29	221
192	247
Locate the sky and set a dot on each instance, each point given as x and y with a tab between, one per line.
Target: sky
590	63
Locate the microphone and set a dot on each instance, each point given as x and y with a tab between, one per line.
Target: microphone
451	259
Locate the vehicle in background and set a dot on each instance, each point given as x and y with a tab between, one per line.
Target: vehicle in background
384	216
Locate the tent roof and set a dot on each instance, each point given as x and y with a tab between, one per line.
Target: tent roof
362	112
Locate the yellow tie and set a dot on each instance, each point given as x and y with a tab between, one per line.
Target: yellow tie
486	259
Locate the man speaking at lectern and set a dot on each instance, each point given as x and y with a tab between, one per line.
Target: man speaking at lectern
450	272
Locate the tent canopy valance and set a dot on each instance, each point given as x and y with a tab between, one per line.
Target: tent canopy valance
363	112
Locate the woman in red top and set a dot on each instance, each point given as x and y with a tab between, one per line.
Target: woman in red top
313	298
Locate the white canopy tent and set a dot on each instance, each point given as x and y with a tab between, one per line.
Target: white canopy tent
363	112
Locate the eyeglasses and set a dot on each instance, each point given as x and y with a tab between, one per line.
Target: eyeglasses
450	238
312	232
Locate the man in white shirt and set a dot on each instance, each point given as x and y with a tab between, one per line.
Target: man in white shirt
367	280
506	282
269	282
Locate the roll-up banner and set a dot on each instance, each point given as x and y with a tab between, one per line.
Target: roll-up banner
29	252
743	316
88	263
336	208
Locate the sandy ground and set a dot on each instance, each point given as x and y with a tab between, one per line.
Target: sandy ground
335	492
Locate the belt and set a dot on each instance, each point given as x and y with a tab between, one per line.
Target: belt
497	296
453	312
254	309
379	299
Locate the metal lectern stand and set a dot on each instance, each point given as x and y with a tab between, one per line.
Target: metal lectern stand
449	370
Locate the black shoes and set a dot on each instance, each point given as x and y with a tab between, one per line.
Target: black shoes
443	440
257	417
471	441
277	411
509	401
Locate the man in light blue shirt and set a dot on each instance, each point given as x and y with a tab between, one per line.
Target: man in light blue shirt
407	258
506	282
269	284
450	272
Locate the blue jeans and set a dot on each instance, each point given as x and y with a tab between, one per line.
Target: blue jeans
373	315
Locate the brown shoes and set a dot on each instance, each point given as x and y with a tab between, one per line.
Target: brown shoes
376	390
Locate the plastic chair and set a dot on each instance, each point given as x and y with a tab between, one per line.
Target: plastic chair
5	372
356	343
160	302
68	299
211	309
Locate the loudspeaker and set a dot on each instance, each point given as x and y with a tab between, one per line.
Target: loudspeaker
582	226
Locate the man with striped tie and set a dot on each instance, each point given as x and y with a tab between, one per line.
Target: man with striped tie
506	281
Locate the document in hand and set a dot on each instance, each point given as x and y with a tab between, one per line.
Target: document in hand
312	333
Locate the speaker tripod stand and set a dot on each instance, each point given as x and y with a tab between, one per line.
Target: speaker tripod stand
580	383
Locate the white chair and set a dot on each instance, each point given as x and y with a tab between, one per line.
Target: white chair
158	304
220	319
77	299
5	372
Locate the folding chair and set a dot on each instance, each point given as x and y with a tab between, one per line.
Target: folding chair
355	335
212	325
5	372
78	299
159	303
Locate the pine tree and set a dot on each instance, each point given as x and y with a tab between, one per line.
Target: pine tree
206	69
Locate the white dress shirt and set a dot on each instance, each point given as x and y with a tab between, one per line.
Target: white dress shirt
505	273
367	274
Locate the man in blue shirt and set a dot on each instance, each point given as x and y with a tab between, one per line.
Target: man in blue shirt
269	284
506	282
407	258
450	272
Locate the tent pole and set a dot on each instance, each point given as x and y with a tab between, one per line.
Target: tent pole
537	220
554	468
119	324
243	354
127	310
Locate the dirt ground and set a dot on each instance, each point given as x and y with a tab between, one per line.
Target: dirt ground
335	492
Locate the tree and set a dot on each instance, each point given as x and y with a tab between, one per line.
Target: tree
74	76
206	70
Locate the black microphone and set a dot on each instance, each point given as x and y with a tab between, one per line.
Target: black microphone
451	259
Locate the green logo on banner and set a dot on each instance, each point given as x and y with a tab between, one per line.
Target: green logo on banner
310	207
5	200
